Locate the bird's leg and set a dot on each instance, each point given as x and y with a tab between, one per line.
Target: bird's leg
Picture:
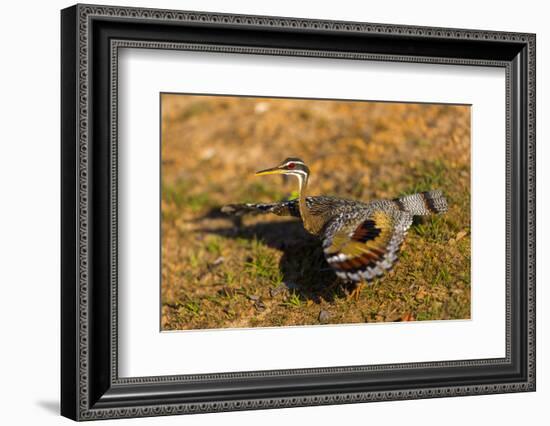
357	290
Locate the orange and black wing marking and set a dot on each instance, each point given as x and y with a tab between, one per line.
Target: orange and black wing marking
366	247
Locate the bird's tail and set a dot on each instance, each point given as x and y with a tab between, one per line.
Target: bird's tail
423	203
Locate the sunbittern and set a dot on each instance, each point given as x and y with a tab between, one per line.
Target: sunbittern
360	240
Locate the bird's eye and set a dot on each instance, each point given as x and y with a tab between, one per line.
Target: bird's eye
291	165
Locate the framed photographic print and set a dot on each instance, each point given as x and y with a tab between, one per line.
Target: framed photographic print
263	212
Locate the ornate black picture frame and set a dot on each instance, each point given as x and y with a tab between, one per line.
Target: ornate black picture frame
91	37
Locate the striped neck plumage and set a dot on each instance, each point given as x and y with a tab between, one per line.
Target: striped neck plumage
296	167
303	176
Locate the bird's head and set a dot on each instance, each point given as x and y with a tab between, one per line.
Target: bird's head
291	166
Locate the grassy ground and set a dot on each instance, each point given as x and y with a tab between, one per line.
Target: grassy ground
266	271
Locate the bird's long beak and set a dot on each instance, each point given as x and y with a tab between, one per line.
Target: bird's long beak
272	171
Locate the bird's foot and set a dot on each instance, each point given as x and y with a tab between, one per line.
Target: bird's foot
356	292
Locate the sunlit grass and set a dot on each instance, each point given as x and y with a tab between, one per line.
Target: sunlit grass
260	271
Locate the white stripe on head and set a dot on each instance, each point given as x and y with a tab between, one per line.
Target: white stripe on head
286	163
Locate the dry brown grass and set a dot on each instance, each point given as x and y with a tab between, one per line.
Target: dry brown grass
267	271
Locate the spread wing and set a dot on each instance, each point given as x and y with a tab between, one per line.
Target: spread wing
366	246
281	208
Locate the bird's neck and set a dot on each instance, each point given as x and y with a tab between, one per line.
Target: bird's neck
310	221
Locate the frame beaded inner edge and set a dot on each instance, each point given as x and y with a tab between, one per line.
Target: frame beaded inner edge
115	46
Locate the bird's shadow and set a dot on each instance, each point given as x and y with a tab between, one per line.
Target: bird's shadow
303	265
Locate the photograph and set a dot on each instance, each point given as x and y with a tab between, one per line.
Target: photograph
280	212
